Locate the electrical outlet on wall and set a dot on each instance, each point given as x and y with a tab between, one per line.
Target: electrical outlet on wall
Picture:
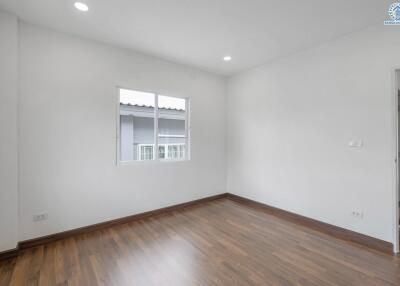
357	214
39	217
358	143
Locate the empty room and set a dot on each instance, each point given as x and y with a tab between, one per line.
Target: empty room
188	142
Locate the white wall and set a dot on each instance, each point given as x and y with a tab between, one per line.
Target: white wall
8	131
67	144
290	122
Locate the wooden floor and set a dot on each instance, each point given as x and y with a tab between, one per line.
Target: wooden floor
217	243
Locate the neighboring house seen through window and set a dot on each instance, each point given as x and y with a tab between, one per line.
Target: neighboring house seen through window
165	151
149	122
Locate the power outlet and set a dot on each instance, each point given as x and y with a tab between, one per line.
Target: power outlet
357	214
40	217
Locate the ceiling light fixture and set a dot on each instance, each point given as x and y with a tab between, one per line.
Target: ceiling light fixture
81	6
227	58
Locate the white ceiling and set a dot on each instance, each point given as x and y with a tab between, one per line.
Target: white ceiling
200	32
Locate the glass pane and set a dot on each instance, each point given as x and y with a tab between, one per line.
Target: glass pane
136	125
171	127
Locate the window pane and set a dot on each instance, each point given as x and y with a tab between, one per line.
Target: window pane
171	127
136	125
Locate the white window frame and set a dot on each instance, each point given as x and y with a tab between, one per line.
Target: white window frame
156	135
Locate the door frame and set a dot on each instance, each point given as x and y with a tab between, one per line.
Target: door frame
395	196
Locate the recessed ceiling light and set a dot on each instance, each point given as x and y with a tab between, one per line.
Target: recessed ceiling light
227	58
81	6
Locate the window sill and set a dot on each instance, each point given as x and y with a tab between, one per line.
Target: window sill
150	162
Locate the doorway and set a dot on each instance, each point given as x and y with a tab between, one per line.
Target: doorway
397	159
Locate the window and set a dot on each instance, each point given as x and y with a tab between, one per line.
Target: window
165	151
176	151
150	122
161	151
145	152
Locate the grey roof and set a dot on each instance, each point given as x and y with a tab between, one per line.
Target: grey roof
149	106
